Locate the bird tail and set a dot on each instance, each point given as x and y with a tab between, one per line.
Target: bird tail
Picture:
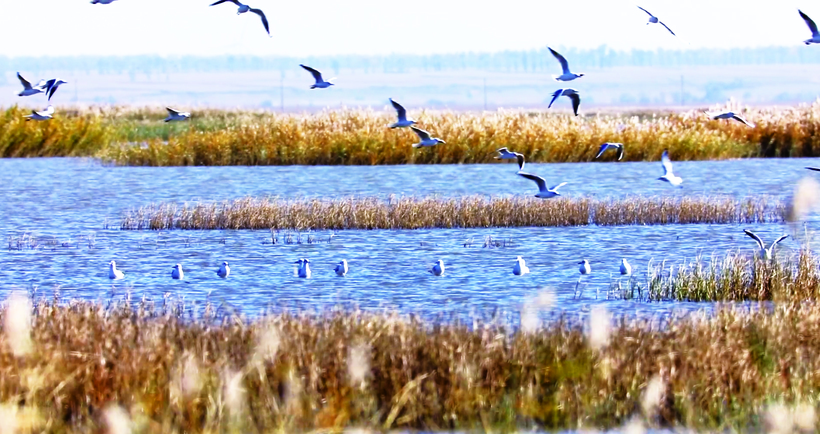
417	145
313	86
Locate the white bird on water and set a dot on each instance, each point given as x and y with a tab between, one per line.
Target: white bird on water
224	270
425	139
42	115
304	268
572	94
176	272
584	268
626	269
520	268
762	251
610	145
815	35
28	89
668	175
317	76
654	20
176	115
505	154
730	115
566	75
437	269
113	273
543	191
402	115
341	268
245	8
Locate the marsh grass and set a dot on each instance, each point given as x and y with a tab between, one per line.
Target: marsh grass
463	212
151	368
137	136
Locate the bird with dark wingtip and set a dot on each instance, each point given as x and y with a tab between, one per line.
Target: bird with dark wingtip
571	94
317	76
245	8
654	20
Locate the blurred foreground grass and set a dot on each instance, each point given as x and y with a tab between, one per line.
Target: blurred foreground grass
134	136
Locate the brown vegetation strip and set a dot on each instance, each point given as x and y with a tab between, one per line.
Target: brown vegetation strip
285	373
464	212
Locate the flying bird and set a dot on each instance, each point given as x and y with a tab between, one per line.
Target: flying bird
815	35
425	138
320	83
245	8
176	115
42	115
177	273
543	191
609	145
437	269
52	85
762	250
402	115
572	94
730	115
668	175
505	154
520	268
113	273
566	74
224	270
341	268
654	20
28	89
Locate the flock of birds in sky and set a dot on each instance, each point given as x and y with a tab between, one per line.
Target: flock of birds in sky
49	87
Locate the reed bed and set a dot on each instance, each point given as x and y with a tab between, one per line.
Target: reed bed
463	212
83	367
137	136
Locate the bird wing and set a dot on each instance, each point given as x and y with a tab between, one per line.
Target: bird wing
316	74
23	81
603	149
620	151
782	237
172	112
503	150
638	8
739	118
810	23
755	237
816	169
576	102
236	2
667	163
402	113
667	28
423	135
558	186
555	96
542	184
52	89
264	18
561	59
520	158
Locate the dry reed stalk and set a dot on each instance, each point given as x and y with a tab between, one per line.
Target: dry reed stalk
463	212
680	372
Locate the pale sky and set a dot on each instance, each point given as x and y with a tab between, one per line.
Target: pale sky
325	27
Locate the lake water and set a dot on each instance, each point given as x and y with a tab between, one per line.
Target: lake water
64	202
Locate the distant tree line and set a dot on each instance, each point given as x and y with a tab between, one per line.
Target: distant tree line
506	61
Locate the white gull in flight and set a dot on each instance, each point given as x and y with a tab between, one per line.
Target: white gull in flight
245	8
654	20
176	115
402	115
52	85
609	145
815	35
572	94
762	251
668	175
317	76
730	115
42	115
425	139
505	154
566	75
543	191
28	89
